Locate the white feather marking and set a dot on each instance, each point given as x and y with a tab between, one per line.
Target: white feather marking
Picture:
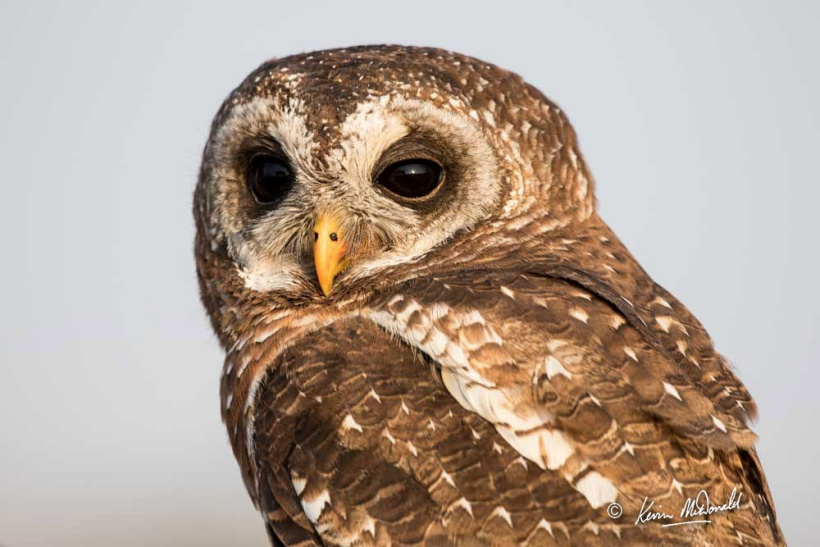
502	513
617	321
456	355
662	302
243	364
439	311
554	367
386	434
453	385
313	508
464	504
557	447
299	484
553	345
369	526
508	292
545	525
538	301
631	353
349	423
436	342
269	275
411	447
665	322
671	390
238	345
719	424
573	159
375	395
579	314
469	318
597	489
447	477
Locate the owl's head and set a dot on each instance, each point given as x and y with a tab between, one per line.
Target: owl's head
326	169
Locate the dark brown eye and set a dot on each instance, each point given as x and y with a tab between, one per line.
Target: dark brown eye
270	179
411	178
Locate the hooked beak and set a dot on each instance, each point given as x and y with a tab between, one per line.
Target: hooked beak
329	249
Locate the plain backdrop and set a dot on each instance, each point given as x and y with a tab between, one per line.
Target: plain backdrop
700	121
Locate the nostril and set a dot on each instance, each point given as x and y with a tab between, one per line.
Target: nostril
334	237
315	236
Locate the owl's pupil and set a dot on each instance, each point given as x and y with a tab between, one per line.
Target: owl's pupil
270	179
411	178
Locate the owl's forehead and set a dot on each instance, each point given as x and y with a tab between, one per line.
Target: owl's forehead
330	86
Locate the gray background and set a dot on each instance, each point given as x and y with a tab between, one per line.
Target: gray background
700	123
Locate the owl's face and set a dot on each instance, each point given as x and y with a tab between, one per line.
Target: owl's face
301	214
326	170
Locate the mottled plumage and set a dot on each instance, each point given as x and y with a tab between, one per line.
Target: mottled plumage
491	365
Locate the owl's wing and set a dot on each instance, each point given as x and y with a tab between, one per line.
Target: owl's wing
357	443
334	438
623	405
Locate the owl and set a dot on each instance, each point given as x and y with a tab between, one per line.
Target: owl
431	336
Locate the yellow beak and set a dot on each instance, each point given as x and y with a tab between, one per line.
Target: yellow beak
329	248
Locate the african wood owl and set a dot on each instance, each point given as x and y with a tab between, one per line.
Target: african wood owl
431	336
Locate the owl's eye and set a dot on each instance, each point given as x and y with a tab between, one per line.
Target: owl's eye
269	178
411	179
